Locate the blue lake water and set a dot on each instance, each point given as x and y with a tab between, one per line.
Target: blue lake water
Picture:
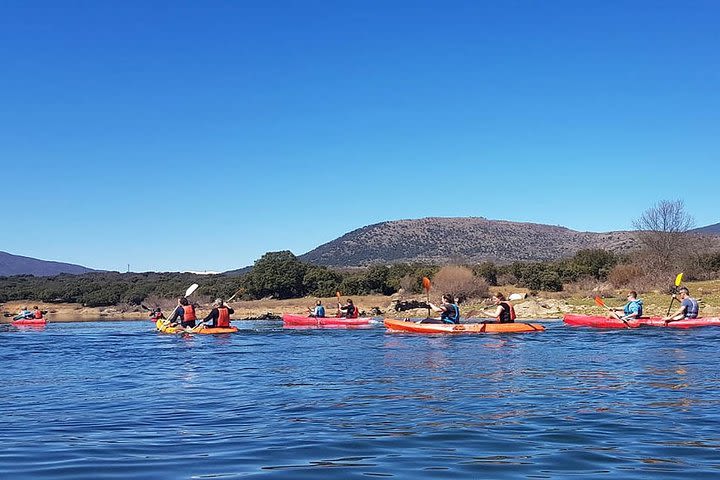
116	400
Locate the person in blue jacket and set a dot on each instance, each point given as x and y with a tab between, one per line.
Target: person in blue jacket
633	309
318	311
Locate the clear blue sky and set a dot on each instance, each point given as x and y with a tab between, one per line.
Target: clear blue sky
199	135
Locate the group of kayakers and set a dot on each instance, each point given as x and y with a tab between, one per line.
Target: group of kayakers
633	309
35	313
185	315
448	309
349	310
505	313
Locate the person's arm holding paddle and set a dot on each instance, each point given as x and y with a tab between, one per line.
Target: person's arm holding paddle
449	311
177	314
632	310
678	314
689	307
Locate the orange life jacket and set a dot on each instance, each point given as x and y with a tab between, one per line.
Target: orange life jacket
223	319
188	313
507	315
38	313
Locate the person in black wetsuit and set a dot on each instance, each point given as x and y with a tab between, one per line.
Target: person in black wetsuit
349	310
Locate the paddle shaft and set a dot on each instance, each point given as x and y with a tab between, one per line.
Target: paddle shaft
678	281
599	301
672	299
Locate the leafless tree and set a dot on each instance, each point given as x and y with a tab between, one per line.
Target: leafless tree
662	233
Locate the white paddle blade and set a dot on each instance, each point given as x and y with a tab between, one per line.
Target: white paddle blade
191	289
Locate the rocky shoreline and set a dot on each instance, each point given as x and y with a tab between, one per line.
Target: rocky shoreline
527	308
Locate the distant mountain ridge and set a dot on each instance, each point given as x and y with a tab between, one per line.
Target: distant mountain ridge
708	230
461	240
18	265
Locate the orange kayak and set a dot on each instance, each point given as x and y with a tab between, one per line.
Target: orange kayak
394	325
200	329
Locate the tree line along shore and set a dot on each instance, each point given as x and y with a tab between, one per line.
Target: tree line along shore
666	247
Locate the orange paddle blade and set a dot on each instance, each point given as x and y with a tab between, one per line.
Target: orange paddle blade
599	302
426	284
337	294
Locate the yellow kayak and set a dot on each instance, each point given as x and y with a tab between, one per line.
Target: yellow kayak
200	329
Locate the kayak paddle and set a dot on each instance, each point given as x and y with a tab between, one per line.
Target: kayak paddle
235	294
678	281
339	312
599	302
188	292
426	286
191	289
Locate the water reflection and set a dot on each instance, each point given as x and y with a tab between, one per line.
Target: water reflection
121	400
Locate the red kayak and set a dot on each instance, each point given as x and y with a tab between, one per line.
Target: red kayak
597	321
30	321
291	320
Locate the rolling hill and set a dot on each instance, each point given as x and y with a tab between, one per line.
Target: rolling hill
18	265
461	240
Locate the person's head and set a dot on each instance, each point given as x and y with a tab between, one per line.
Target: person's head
318	302
35	307
349	301
184	302
447	298
684	292
218	302
158	310
24	308
632	295
498	297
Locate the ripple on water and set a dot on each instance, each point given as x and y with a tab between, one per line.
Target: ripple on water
116	400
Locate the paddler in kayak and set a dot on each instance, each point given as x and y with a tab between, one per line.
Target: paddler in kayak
448	309
504	313
24	313
37	313
349	310
220	315
185	312
318	311
157	314
689	307
632	310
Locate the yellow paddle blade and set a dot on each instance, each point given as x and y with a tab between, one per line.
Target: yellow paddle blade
599	302
678	279
426	284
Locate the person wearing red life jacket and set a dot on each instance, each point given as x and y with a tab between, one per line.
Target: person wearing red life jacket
504	313
349	310
185	312
220	315
156	315
37	313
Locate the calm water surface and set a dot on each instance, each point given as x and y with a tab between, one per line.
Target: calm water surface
116	400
